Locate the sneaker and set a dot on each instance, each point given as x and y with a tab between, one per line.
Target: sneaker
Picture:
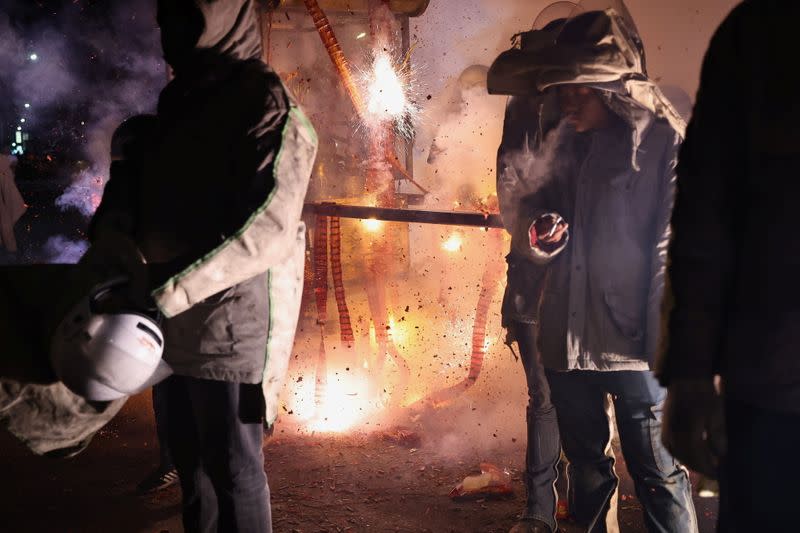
159	479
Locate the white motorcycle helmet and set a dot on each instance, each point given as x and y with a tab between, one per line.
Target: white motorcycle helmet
104	356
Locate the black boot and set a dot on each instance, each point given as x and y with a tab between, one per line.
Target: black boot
530	525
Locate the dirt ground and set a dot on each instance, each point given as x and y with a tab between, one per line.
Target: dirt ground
320	483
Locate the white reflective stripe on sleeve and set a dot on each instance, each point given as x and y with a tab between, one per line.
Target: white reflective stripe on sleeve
265	240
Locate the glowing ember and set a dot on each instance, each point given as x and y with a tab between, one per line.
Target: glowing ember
372	225
453	243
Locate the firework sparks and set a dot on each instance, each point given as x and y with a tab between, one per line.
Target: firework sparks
387	97
388	89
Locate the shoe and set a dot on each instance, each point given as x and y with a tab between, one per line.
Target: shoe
530	525
158	480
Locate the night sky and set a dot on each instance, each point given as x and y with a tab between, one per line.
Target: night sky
80	65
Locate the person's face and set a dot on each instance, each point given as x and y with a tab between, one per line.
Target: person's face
582	107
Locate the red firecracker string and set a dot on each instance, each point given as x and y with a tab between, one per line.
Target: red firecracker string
345	328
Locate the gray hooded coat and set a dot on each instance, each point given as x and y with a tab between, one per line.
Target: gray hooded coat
222	192
596	298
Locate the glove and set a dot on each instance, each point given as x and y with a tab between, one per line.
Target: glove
547	232
693	428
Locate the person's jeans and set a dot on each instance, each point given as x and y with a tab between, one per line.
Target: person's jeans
758	481
215	436
544	448
661	484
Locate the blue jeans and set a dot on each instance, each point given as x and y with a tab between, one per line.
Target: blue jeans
662	485
544	448
215	436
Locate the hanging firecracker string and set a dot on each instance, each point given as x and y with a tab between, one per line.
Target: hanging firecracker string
345	328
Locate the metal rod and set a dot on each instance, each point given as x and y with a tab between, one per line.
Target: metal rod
447	218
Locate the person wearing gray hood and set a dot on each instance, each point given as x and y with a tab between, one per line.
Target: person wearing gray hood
217	220
585	182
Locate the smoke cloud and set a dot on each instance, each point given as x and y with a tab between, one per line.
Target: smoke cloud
60	249
107	65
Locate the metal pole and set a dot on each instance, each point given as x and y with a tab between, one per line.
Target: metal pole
420	216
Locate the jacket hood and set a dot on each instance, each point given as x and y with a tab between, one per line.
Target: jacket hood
600	49
196	30
596	48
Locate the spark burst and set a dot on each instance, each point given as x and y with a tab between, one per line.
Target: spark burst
389	90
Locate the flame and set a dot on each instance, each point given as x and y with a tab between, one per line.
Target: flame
386	96
372	225
453	242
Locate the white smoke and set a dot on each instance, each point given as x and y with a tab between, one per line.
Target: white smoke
457	158
60	249
122	48
84	193
44	80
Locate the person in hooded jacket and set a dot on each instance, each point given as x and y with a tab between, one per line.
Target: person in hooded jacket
217	220
585	183
733	259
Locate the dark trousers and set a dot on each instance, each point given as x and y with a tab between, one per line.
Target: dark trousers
215	436
162	426
544	448
661	484
758	481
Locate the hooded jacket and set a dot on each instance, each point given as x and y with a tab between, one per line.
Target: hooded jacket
223	186
596	297
735	249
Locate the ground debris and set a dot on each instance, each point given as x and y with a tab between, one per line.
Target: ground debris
492	482
403	437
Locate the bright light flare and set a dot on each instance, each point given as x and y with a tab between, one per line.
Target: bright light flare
33	57
386	96
398	330
453	242
372	225
344	404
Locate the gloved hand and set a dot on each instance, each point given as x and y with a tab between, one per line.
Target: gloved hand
547	230
693	428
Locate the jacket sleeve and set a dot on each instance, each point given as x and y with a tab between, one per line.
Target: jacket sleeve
702	250
284	143
520	203
659	258
513	149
